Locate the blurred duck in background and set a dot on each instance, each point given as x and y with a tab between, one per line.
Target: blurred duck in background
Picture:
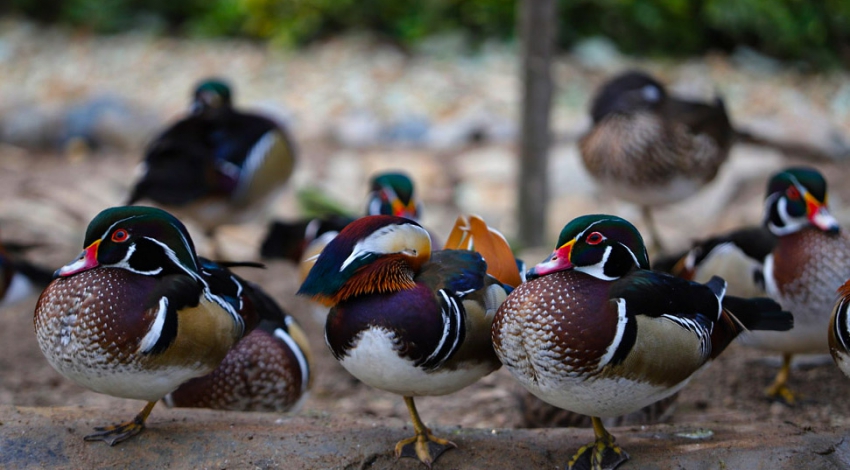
651	148
217	165
390	193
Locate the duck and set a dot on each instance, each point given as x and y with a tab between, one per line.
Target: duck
217	165
651	148
390	193
138	312
269	370
594	331
808	264
737	256
406	319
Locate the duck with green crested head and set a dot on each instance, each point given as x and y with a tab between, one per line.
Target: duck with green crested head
217	165
595	332
139	313
803	272
390	193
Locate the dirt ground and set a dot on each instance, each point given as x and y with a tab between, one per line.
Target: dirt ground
48	200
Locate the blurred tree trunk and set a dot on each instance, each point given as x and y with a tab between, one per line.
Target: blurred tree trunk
537	26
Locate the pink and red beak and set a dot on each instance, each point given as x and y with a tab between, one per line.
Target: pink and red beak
87	260
401	209
559	260
819	216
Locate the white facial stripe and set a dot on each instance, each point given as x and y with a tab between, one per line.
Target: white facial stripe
598	270
116	223
153	334
125	263
581	234
790	224
173	257
632	254
389	239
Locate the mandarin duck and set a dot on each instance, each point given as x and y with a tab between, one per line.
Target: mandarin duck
217	165
267	370
594	331
810	261
390	193
139	313
651	148
405	319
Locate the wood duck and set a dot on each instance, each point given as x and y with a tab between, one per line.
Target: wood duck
139	313
390	193
594	331
738	257
651	148
405	319
217	165
267	370
810	261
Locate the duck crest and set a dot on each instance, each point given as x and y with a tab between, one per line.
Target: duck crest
377	254
391	274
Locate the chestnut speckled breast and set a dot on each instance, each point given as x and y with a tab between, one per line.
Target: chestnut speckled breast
594	331
803	274
569	339
217	165
808	267
268	370
92	327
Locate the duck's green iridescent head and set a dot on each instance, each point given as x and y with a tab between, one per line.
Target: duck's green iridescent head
797	198
604	246
211	95
393	194
144	240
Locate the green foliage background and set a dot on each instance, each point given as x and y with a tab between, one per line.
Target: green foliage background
815	32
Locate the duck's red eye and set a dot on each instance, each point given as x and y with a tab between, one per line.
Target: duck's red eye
793	193
120	236
594	238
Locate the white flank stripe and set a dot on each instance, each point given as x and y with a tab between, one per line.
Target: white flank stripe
152	336
302	361
457	311
622	320
841	321
769	282
446	325
255	158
